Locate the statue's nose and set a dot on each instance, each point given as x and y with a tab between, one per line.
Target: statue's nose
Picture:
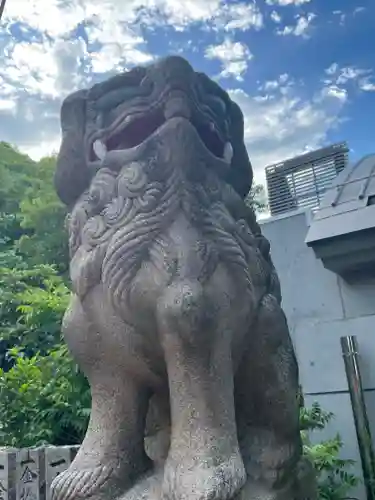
174	71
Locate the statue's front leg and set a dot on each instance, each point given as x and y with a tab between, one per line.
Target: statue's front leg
267	411
204	460
112	454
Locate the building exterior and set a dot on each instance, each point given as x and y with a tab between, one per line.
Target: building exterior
303	180
326	262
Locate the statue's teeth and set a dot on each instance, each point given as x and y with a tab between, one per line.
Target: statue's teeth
228	152
100	149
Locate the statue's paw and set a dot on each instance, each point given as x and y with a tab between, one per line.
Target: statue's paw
80	483
182	481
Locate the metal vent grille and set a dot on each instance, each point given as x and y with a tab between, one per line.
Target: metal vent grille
302	181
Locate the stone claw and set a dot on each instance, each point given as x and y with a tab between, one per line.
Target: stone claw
83	483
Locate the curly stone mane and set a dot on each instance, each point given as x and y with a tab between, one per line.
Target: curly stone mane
118	218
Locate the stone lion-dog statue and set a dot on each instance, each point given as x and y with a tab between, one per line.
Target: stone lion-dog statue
175	315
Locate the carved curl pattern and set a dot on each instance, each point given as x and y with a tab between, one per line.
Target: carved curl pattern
119	221
115	223
132	180
90	204
130	244
221	228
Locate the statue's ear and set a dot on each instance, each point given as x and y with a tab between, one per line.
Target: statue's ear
72	176
240	175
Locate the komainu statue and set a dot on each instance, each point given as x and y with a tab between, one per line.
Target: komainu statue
175	316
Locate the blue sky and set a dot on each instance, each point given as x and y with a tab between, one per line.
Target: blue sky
303	71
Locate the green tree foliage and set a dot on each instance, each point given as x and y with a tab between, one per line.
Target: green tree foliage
44	399
335	480
33	256
42	218
31	216
257	197
32	301
15	177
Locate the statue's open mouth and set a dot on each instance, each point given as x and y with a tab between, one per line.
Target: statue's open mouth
134	129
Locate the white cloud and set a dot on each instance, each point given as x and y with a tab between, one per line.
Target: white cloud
35	75
36	151
358	10
282	83
53	63
57	18
349	73
187	12
332	69
301	27
241	16
114	27
234	57
337	92
275	17
7	105
40	13
46	68
271	85
121	46
341	15
283	3
111	58
214	13
367	86
46	16
343	76
278	127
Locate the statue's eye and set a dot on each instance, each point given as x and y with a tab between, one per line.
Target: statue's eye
216	104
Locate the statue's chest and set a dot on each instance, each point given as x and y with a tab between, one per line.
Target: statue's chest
181	251
188	252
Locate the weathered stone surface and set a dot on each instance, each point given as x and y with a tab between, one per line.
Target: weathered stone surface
57	459
29	473
175	317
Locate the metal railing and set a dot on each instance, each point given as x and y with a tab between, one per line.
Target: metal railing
303	180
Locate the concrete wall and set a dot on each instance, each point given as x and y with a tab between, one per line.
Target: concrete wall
321	308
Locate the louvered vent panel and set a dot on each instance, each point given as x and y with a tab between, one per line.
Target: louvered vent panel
302	181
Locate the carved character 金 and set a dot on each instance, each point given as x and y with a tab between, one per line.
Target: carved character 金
175	317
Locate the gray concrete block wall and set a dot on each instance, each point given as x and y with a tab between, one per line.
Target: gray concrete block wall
321	308
27	474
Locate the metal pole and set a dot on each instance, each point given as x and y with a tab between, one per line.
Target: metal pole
349	349
2	7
